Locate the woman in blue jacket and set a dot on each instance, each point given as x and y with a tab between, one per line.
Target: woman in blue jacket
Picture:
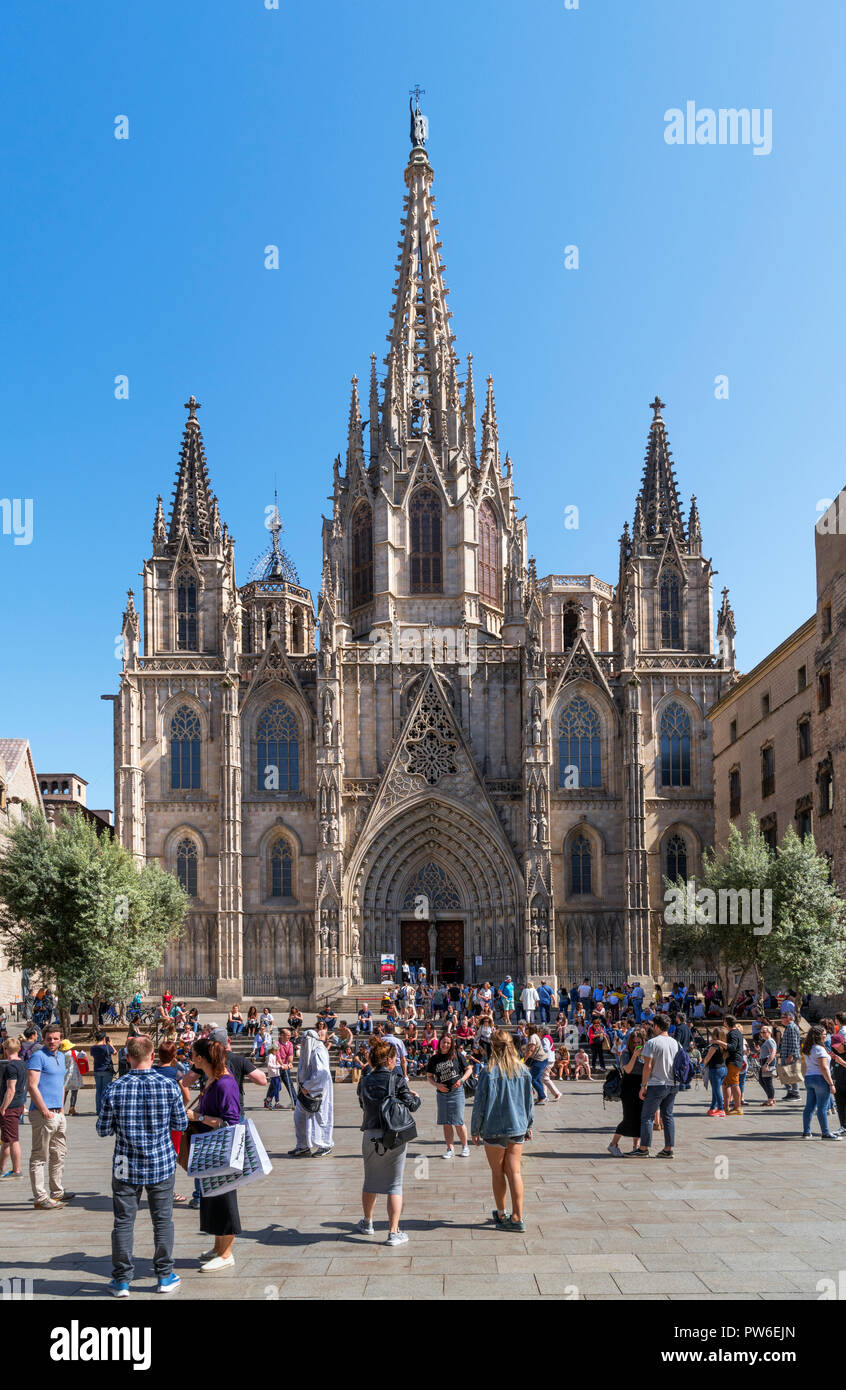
503	1114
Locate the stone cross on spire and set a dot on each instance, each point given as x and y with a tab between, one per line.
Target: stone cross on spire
657	406
192	406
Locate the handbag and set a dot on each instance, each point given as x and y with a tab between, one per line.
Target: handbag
311	1104
397	1125
217	1151
256	1165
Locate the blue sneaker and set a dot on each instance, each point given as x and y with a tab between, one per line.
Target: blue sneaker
168	1283
118	1289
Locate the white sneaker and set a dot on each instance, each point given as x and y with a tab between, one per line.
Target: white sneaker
397	1238
465	1152
366	1227
448	1153
217	1262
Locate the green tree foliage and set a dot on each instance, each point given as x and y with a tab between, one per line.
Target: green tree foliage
76	909
776	914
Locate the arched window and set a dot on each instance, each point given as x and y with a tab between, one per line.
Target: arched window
186	865
297	630
676	859
580	865
569	626
185	750
281	870
675	746
424	513
362	555
579	746
277	750
670	598
489	588
186	613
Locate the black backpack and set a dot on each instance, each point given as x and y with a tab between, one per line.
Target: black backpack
612	1086
397	1125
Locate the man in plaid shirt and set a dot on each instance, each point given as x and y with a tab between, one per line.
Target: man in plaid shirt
141	1109
790	1051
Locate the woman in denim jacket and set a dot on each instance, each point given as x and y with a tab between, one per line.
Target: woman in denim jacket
503	1114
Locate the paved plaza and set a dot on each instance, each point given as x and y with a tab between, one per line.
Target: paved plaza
745	1211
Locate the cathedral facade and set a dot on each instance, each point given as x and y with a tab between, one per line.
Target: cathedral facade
475	767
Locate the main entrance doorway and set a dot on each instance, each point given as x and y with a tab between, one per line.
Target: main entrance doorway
449	947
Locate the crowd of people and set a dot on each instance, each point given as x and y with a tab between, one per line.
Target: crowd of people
501	1053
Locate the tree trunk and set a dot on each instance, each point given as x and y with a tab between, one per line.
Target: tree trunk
95	1016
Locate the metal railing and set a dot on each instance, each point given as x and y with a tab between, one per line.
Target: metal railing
183	986
275	986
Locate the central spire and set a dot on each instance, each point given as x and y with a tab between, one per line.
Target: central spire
657	510
194	505
421	383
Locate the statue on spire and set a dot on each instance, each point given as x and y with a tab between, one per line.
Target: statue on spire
419	125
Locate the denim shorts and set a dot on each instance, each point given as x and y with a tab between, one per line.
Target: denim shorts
501	1141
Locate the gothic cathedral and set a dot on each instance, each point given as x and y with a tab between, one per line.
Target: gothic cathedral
477	766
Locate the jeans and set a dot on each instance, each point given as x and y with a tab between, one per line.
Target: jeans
274	1090
816	1098
597	1056
537	1070
638	1008
543	1010
766	1084
125	1199
365	1025
234	1028
716	1076
102	1080
658	1097
285	1076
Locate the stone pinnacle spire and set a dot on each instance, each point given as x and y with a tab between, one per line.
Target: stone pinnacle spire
658	497
192	507
421	356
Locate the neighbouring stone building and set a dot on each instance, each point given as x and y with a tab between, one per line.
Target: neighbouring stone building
479	767
18	788
67	791
779	732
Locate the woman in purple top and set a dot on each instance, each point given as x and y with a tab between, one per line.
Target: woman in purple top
220	1104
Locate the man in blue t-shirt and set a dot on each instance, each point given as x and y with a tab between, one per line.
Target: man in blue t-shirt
506	991
545	998
46	1079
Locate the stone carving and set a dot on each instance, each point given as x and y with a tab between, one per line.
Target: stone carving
430	744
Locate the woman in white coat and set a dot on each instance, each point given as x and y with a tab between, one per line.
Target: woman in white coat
313	1130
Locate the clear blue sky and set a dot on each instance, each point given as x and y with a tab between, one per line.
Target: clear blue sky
250	127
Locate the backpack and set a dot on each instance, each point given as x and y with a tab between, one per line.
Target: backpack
612	1086
682	1067
397	1125
81	1062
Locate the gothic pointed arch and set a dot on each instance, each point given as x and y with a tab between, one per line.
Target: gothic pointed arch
579	745
675	731
186	589
425	535
361	554
489	577
277	748
670	615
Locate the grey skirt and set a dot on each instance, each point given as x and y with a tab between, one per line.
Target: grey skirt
382	1171
451	1107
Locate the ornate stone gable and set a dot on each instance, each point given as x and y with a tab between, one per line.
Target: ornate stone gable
273	668
581	665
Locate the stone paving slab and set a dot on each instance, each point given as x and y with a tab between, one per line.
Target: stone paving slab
703	1227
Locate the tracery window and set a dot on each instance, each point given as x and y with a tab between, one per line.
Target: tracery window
670	601
676	858
185	735
424	513
277	749
186	613
579	746
580	865
362	555
186	865
281	869
488	555
675	746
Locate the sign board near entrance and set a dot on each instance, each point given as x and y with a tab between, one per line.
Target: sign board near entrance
389	965
478	960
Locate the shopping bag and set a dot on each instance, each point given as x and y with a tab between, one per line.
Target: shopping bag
256	1165
217	1151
